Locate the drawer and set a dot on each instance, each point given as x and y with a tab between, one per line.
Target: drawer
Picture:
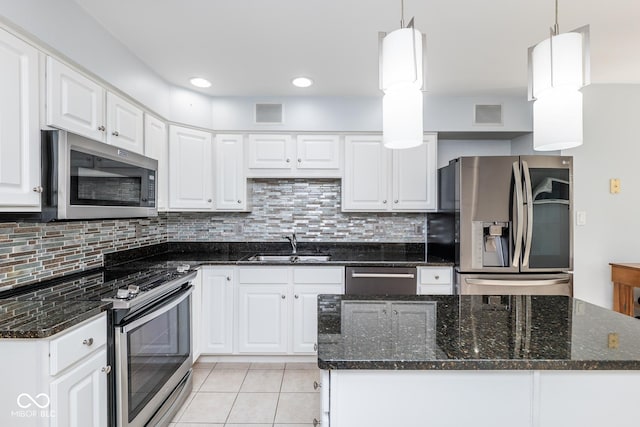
76	344
434	275
435	289
273	275
318	275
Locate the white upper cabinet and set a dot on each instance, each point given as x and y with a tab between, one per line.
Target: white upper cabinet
74	102
124	124
365	186
77	104
19	133
380	179
156	146
230	180
282	156
190	163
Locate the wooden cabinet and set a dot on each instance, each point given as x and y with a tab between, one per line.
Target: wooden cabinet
190	165
217	307
380	179
156	146
283	156
435	281
19	125
230	179
625	278
80	105
69	370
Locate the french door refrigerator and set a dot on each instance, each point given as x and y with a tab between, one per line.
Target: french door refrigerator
512	223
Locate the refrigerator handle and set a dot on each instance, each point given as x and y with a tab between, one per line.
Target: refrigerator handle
516	282
519	215
528	236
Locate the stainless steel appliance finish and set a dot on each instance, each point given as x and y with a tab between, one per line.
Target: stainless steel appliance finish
512	215
152	347
515	284
381	281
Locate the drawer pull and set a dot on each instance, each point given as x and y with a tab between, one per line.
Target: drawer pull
106	369
315	347
316	385
88	342
437	277
316	423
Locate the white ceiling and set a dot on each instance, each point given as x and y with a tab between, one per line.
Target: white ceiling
255	47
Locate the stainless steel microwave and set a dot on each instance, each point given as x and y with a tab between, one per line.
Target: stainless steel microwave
86	179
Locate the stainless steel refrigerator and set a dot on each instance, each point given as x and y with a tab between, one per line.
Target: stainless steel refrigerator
511	223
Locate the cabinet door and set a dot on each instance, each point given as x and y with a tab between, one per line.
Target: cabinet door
231	183
124	124
190	165
413	327
74	102
270	152
19	134
414	177
305	315
156	146
365	183
262	318
217	310
318	152
79	397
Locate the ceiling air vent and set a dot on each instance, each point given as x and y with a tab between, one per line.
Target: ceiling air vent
269	114
487	114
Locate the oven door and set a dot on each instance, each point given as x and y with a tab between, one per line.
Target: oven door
153	360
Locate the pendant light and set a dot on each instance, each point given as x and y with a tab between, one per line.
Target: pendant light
558	69
401	79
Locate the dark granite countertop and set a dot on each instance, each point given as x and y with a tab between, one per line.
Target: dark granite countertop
473	333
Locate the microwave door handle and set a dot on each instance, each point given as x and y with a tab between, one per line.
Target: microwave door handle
529	234
517	241
516	282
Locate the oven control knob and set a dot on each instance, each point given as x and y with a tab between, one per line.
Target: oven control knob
134	289
122	293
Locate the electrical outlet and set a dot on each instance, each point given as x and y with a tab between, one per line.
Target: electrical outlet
418	229
238	228
614	340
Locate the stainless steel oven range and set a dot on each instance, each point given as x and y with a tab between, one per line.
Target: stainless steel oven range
151	347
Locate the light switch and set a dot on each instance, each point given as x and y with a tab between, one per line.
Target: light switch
614	185
581	218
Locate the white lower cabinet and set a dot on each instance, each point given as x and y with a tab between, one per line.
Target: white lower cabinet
263	310
435	281
63	379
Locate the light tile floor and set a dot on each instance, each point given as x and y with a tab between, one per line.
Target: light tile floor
251	395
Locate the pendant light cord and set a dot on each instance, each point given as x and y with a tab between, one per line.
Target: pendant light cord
402	13
556	28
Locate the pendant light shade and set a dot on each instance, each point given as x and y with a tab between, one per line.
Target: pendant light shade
402	60
558	69
557	120
402	118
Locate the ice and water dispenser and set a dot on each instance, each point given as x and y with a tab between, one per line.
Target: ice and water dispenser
491	244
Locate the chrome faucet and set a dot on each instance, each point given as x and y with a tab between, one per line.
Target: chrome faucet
294	242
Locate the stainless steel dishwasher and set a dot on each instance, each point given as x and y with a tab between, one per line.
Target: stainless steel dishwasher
381	281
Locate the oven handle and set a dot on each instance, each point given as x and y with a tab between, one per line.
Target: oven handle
163	309
385	275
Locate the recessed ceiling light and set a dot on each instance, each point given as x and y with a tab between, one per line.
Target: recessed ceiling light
302	82
200	82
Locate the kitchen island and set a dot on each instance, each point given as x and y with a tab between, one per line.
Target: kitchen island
475	360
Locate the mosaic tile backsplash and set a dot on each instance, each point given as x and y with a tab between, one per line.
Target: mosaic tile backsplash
33	252
310	207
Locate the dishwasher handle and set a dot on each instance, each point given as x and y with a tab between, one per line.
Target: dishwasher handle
383	275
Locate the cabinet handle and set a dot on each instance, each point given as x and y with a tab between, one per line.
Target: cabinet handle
228	278
384	201
299	160
316	423
102	128
395	312
115	133
395	201
283	296
436	277
239	201
88	342
106	369
288	160
208	200
296	296
384	311
315	346
316	385
38	189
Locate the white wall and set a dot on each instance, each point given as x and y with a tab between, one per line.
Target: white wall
611	149
449	149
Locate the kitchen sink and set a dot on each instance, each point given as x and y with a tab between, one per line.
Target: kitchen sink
289	258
